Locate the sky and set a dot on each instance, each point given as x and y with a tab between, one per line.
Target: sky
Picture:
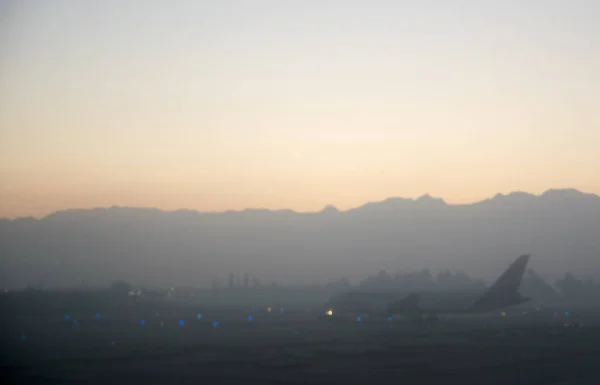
226	105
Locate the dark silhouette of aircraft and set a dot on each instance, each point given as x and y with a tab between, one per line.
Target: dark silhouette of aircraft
503	293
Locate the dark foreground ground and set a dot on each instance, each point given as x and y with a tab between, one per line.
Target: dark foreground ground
294	347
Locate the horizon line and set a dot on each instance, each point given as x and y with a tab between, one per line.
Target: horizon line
328	207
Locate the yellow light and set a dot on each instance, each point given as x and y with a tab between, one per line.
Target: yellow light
503	314
269	309
329	312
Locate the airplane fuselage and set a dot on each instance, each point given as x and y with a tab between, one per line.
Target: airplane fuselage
454	303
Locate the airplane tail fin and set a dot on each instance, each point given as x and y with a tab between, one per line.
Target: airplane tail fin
504	291
511	279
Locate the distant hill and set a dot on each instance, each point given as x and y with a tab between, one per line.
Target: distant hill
560	228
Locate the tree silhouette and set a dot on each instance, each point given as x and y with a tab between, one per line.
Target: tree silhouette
570	286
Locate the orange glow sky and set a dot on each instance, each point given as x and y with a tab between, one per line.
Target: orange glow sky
293	104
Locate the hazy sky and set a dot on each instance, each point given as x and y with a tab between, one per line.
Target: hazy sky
216	105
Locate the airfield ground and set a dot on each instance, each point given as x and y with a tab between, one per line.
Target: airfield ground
296	346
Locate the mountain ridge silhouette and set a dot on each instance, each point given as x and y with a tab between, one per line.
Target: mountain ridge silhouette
560	228
425	200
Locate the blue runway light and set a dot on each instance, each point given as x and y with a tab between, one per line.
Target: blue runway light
181	323
143	322
281	309
199	316
357	319
567	313
67	317
389	318
556	314
250	318
215	324
97	315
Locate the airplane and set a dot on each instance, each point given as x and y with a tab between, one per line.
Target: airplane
503	293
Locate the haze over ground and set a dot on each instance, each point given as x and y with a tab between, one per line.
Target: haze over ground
233	104
150	247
